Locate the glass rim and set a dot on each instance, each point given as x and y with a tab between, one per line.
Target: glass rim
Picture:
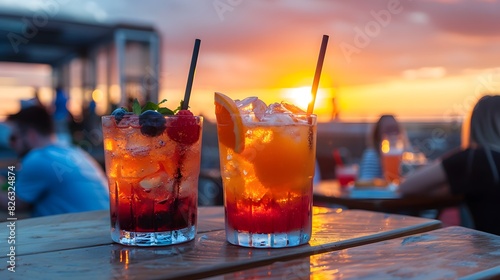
281	113
297	119
165	116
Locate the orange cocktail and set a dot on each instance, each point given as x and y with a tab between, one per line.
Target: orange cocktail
153	164
267	158
391	163
391	149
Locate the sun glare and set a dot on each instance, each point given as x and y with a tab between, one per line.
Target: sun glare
299	96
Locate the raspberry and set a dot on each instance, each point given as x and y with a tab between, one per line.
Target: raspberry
183	128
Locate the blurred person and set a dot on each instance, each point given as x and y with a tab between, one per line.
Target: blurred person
5	132
65	125
53	178
34	101
472	171
370	166
91	120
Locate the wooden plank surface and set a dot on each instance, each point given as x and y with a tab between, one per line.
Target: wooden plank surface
448	253
209	254
79	230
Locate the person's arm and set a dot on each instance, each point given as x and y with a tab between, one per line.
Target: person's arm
430	179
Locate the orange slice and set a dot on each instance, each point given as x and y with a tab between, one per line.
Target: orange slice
231	131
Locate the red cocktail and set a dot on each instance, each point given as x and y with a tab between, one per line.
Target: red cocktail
153	164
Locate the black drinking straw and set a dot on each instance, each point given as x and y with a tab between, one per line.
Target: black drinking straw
317	74
178	148
189	85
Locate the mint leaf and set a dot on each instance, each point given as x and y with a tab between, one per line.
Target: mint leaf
165	111
136	107
150	106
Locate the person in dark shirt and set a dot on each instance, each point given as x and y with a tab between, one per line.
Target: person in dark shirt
472	171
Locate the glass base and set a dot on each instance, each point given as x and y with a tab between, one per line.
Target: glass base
263	240
153	238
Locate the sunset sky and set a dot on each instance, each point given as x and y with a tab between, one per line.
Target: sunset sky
417	59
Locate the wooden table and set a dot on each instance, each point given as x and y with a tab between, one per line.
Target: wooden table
448	253
78	246
329	193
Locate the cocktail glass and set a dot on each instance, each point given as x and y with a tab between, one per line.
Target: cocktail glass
346	174
392	148
153	178
267	157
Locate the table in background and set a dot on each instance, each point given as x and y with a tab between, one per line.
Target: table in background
448	253
78	246
329	193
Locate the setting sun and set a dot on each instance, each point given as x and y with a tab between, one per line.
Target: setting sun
299	96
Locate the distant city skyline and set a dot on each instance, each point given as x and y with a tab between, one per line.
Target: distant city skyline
416	59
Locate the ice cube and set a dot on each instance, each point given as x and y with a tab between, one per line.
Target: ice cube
137	168
247	105
278	118
188	188
138	145
129	121
276	108
255	191
250	118
252	107
163	197
154	180
138	151
303	119
284	113
277	113
108	122
292	108
190	165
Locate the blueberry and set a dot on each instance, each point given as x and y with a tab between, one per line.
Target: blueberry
118	114
152	123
